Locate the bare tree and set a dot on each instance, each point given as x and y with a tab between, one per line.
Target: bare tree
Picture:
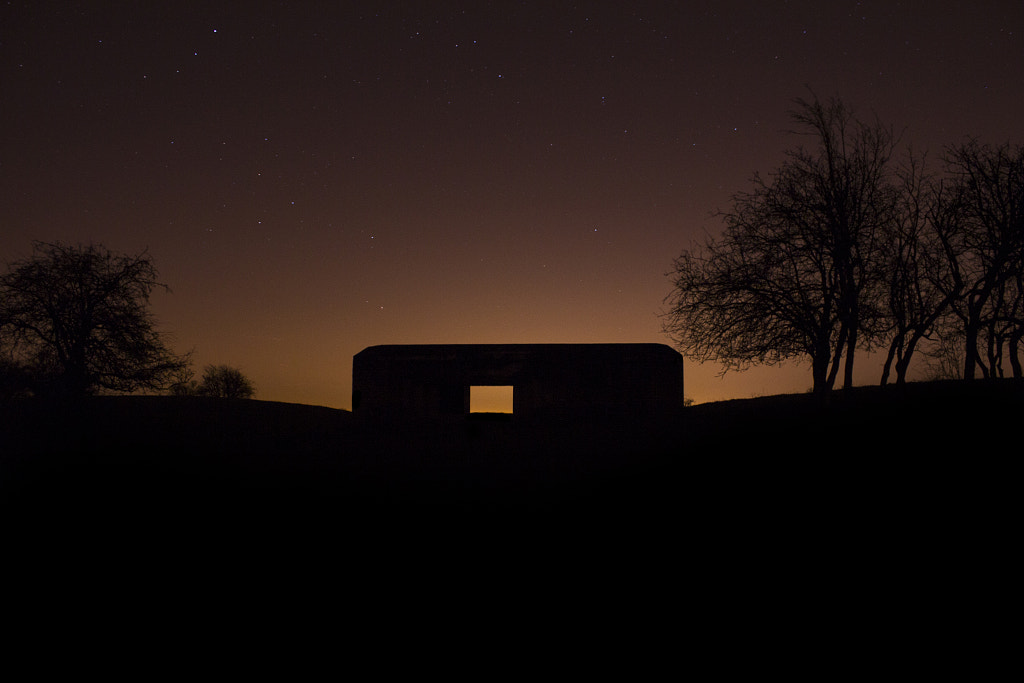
920	288
1015	315
753	297
797	271
223	381
1003	328
843	190
77	319
984	246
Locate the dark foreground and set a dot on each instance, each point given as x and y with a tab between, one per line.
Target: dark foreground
879	508
163	454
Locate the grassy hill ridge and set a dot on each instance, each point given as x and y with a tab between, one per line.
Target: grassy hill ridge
177	446
780	524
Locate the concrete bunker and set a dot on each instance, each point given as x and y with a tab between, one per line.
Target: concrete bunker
546	382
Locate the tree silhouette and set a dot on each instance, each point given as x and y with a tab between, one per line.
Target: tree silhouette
797	271
983	201
223	381
842	248
920	288
77	319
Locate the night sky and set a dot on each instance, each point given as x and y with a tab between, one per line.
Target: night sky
313	178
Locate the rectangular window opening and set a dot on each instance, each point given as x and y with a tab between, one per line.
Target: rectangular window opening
490	399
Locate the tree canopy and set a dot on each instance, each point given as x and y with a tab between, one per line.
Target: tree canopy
76	319
218	381
791	274
849	246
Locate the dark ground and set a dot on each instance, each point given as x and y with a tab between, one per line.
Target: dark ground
791	459
890	510
162	451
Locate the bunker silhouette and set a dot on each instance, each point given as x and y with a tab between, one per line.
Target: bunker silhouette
550	382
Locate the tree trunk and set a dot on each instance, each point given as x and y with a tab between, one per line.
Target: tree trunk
995	355
1013	348
851	345
76	376
897	342
834	370
888	364
819	369
970	349
901	367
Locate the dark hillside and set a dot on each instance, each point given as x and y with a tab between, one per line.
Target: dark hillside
110	442
881	514
894	445
938	447
929	420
